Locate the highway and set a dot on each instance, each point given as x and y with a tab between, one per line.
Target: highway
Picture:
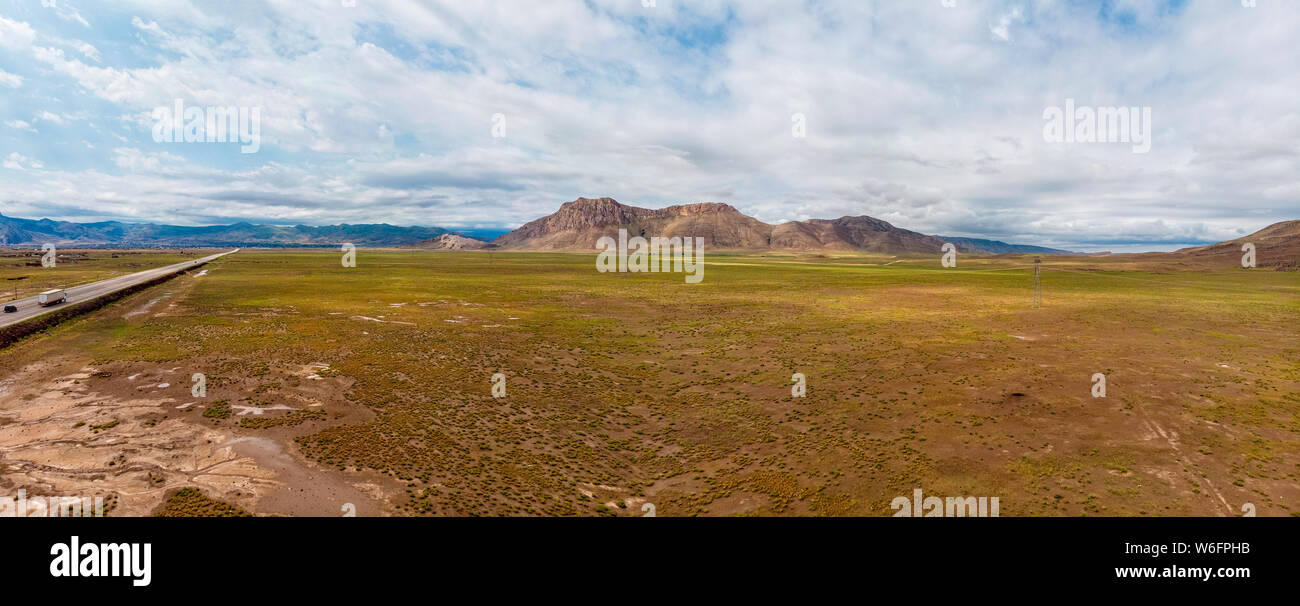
28	308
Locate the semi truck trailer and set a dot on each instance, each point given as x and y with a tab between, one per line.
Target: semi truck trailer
50	297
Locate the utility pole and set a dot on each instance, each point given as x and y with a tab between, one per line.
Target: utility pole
15	281
1038	284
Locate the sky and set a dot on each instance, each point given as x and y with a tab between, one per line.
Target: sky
492	113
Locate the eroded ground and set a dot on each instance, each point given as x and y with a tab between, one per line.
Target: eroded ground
132	431
373	386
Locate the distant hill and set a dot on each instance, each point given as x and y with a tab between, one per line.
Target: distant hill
486	234
449	242
114	234
578	224
852	233
1276	246
999	247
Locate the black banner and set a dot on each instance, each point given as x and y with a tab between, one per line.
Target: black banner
309	556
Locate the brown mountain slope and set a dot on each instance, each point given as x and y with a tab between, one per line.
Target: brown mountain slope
449	242
580	223
1276	246
852	233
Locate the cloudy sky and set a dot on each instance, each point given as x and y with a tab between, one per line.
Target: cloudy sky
928	116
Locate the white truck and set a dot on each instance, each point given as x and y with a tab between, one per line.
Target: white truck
50	297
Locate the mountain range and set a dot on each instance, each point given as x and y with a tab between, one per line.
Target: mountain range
115	234
577	225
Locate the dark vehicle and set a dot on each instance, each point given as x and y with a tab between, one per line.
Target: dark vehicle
10	309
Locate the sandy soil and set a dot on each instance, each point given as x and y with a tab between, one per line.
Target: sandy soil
69	427
55	440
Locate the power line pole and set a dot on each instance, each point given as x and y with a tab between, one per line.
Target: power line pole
1038	284
15	281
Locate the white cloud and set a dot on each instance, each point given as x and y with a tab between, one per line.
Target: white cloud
65	12
10	80
150	26
20	125
135	160
15	35
17	161
46	116
1003	29
85	48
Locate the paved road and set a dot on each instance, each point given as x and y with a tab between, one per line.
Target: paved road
28	308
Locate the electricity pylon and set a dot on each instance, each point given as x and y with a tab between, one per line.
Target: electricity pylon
1038	284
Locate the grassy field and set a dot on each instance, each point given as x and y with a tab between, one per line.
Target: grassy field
626	389
21	271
